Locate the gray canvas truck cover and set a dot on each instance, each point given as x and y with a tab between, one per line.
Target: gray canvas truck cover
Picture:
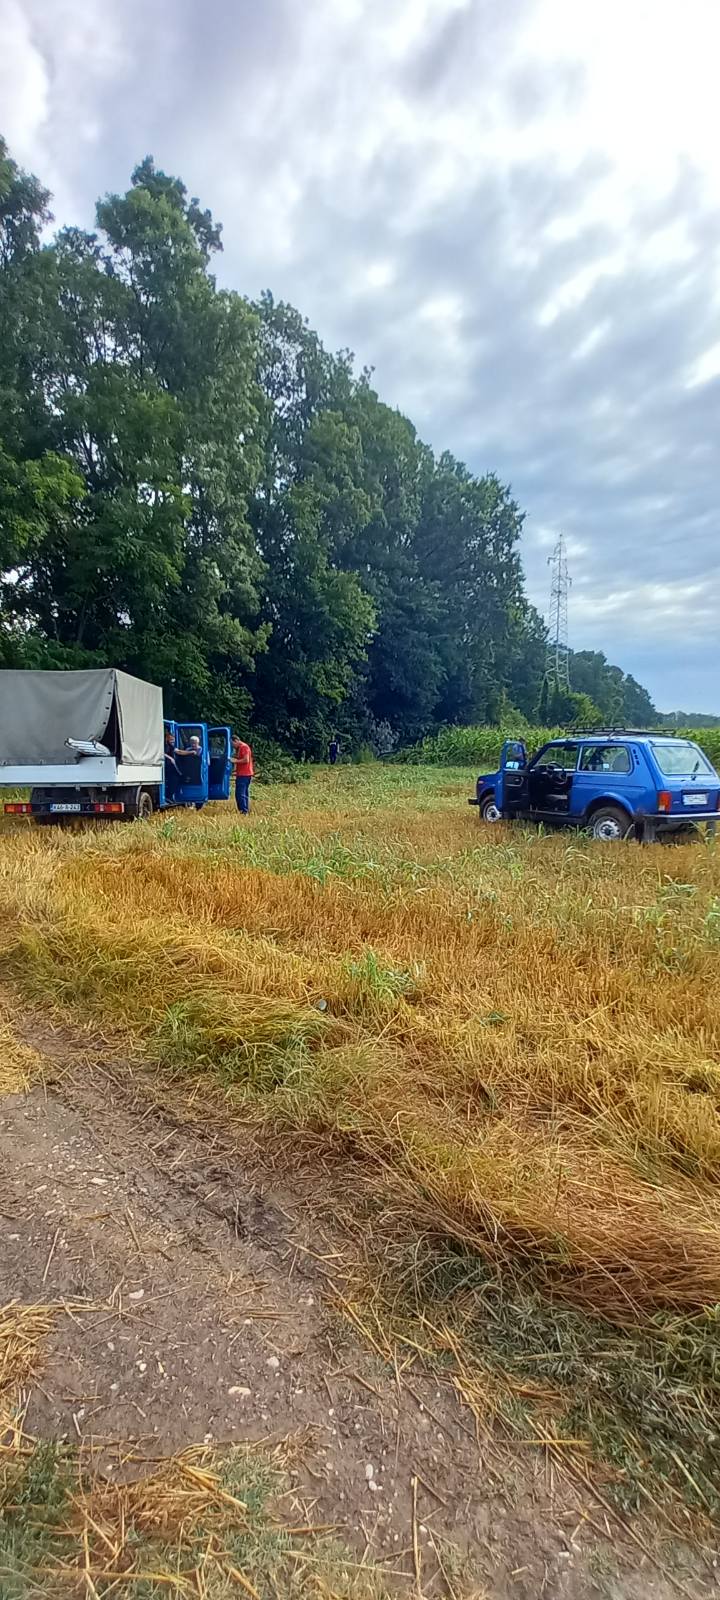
40	710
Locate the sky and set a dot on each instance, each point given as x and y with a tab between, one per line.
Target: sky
509	209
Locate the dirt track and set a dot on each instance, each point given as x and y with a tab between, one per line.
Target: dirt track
200	1307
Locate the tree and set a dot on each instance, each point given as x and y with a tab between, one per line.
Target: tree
319	616
571	708
147	377
467	543
621	700
39	490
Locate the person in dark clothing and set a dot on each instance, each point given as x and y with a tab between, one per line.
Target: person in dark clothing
172	770
334	750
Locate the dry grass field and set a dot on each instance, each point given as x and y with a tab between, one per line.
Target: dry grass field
502	1048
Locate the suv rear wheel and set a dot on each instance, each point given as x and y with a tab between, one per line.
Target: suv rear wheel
610	824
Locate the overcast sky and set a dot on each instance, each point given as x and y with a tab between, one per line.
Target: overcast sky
509	208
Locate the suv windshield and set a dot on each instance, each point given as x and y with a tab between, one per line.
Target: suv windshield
557	755
681	760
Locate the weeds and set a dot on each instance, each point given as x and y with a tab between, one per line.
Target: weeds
199	1524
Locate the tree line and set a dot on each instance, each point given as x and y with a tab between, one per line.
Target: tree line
194	489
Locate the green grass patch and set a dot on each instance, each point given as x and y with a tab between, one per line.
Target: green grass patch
148	1538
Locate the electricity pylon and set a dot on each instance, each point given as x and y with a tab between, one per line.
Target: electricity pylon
558	656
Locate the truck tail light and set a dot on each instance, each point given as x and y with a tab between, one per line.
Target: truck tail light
109	808
18	808
664	800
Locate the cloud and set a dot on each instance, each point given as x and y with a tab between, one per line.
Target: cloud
24	83
510	211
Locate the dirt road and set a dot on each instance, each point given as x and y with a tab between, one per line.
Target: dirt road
202	1303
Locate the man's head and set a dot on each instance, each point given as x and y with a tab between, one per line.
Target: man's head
195	743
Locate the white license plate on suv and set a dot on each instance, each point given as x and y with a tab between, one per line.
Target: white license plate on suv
66	805
695	799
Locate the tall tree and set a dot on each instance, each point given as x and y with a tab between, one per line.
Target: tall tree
320	618
148	378
39	490
468	544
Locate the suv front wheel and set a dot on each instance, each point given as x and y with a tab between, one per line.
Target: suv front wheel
610	824
488	809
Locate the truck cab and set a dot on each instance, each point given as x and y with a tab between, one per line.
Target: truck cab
200	765
612	782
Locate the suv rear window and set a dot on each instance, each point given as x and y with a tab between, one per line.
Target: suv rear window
606	758
681	760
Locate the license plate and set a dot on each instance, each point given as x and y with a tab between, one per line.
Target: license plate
695	799
66	805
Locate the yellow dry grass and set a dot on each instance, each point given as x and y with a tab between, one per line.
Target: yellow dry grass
19	1063
519	1035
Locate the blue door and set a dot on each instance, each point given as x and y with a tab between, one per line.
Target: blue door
220	763
510	778
192	759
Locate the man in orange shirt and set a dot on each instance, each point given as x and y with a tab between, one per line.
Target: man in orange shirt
244	774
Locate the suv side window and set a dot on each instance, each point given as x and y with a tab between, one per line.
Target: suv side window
614	758
558	755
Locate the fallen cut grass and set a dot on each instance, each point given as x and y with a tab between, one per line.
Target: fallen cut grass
517	1037
19	1063
198	1523
23	1330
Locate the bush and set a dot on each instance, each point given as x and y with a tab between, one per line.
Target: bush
274	765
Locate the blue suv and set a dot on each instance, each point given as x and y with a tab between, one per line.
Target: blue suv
612	783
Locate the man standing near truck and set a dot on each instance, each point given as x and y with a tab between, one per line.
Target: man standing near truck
244	774
172	770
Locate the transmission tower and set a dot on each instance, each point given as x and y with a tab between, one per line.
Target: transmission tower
558	659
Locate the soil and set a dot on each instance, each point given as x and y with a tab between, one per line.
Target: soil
198	1306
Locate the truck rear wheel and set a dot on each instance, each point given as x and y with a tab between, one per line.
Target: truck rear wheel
139	807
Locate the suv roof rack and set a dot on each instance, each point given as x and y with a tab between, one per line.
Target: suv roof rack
583	733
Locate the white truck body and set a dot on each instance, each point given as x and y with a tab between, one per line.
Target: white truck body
104	770
49	725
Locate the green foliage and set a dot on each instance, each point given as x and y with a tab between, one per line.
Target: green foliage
128	538
480	747
570	708
192	488
620	700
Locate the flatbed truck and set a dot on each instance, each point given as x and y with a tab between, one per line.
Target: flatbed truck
93	744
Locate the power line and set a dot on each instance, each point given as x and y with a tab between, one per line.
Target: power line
558	656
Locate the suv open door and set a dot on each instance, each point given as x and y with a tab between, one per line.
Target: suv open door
220	767
511	781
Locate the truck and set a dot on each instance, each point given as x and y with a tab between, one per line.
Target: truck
94	744
616	783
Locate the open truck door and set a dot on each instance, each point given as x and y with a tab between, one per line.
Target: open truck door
193	762
511	782
220	769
